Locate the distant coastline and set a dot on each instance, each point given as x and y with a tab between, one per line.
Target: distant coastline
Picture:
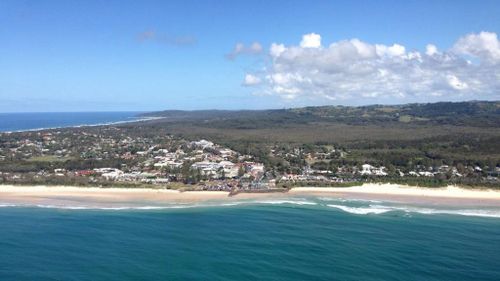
31	122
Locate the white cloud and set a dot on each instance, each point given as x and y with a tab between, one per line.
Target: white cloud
276	49
431	50
358	71
311	40
391	51
251	80
241	49
455	83
484	45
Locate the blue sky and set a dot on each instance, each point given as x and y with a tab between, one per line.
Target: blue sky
152	55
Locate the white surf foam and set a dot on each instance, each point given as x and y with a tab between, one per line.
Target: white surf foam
360	210
380	209
132	120
348	200
374	209
7	205
280	202
460	212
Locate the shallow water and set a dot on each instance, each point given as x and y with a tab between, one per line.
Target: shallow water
292	239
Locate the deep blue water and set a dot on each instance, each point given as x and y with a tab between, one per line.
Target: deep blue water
29	121
246	242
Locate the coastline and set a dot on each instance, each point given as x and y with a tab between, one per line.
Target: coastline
445	196
62	196
111	123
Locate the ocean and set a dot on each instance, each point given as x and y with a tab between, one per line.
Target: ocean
10	122
293	239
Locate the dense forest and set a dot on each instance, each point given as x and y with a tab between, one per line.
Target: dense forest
474	113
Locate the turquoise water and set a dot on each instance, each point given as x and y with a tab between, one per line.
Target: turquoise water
285	241
10	122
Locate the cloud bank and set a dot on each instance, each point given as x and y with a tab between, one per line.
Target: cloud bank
353	70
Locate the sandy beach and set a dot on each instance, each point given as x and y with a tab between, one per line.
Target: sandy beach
77	196
83	196
450	195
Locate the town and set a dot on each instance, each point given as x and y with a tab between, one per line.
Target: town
117	156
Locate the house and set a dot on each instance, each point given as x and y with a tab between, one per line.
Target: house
426	174
226	153
60	172
206	168
230	169
85	173
367	169
168	164
109	173
203	144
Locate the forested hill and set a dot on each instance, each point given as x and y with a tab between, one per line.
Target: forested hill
472	113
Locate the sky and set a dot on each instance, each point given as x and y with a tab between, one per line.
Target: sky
154	55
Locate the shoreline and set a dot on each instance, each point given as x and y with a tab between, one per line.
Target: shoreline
445	196
138	120
84	196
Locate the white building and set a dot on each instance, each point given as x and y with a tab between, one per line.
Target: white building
367	169
203	144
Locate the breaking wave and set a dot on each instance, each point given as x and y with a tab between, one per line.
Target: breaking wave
172	206
380	209
360	210
349	200
280	202
352	206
